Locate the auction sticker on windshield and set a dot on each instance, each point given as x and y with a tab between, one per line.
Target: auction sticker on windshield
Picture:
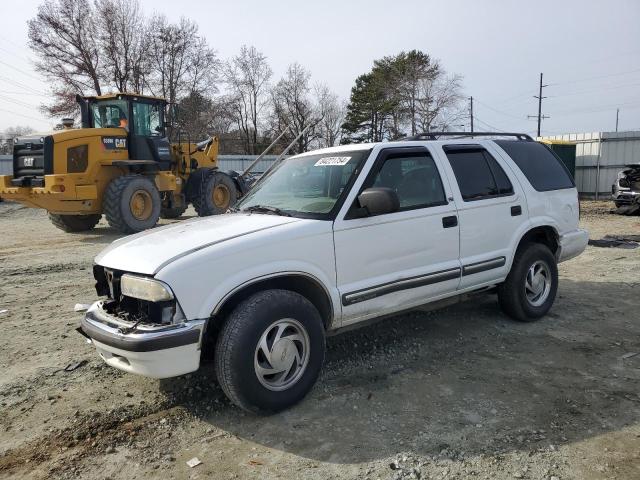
331	161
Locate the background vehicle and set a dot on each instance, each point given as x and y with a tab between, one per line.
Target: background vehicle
119	163
626	189
330	239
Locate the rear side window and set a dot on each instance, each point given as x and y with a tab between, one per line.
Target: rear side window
478	174
542	168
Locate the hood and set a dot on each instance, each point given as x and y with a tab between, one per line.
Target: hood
149	251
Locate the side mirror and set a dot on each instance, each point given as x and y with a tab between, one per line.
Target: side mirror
379	200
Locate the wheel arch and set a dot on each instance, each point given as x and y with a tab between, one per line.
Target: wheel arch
544	234
303	283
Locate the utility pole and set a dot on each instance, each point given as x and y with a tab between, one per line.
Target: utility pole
539	97
471	112
617	115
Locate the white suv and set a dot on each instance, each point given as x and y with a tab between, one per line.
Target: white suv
329	239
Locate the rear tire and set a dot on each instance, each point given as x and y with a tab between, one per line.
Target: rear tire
531	286
272	331
215	194
75	223
132	203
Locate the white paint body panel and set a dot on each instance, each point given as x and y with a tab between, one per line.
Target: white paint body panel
203	278
379	250
147	252
205	260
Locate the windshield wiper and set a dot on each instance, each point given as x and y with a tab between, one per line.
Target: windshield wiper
266	209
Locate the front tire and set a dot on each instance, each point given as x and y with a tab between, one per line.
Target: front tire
270	351
75	223
531	286
132	203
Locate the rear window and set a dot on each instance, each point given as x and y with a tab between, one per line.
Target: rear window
540	165
478	174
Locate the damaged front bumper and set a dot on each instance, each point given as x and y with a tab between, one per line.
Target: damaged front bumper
157	351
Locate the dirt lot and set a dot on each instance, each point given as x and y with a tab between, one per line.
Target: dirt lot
459	393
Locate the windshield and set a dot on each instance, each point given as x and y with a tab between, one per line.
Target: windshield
310	185
110	113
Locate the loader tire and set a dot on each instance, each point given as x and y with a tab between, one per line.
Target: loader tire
74	223
215	194
132	203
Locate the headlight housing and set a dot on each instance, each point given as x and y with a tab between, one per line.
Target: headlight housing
144	288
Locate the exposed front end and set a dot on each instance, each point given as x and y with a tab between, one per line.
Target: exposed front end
140	327
626	188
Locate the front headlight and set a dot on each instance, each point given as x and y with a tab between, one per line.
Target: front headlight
144	288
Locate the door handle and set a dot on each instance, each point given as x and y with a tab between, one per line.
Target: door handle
448	222
516	210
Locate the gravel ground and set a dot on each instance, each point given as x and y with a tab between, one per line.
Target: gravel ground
459	393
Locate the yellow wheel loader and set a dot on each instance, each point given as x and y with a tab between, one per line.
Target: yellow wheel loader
120	164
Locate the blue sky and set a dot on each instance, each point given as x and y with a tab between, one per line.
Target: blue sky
589	52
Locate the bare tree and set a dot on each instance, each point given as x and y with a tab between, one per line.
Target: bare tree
438	102
123	44
64	37
181	61
182	65
331	112
246	76
6	139
293	108
168	53
196	116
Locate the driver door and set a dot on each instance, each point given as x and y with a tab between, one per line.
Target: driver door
148	141
399	260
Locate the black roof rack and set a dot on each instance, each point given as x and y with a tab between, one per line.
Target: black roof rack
435	135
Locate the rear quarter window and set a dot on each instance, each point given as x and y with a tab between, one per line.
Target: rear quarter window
544	170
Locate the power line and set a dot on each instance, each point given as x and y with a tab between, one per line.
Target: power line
498	111
25	94
487	125
21	71
22	115
17	102
522	95
594	90
597	77
20	85
11	41
15	54
628	106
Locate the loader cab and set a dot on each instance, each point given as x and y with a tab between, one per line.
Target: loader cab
143	119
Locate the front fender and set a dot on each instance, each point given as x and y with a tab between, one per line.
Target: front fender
212	303
203	279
